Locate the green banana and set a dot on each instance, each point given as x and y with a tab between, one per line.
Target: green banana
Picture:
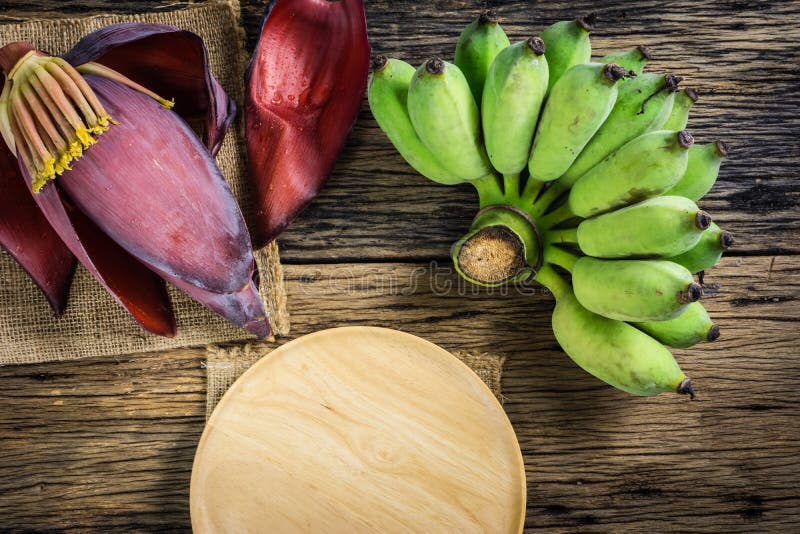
576	108
387	94
445	117
634	290
701	171
513	94
567	45
643	104
689	328
616	352
642	168
658	227
633	60
707	252
679	117
478	45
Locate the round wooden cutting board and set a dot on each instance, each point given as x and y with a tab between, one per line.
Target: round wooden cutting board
358	429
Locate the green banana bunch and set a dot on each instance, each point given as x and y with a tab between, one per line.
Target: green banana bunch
634	290
708	250
567	45
679	117
576	108
701	171
659	227
445	117
643	104
633	60
478	45
689	328
387	95
616	352
513	94
641	169
578	170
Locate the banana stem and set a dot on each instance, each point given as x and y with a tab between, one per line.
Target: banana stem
552	193
489	190
559	256
531	191
565	235
511	186
549	278
561	214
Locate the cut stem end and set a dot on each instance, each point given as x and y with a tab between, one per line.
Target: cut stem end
587	22
685	388
693	293
536	45
726	240
492	256
435	66
379	63
702	220
614	73
713	333
685	139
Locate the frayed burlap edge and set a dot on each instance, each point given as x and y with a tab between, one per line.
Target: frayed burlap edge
225	364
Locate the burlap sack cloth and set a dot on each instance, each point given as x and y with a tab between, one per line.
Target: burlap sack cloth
94	324
225	365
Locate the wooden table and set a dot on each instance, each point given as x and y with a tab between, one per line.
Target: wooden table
108	443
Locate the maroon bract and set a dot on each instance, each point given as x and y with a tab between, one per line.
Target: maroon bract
29	238
121	179
305	85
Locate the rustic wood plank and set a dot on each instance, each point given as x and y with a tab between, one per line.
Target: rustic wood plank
109	443
740	55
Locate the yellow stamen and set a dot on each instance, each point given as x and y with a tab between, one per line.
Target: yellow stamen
50	115
102	70
72	91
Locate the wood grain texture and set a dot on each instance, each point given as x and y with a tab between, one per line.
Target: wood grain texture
108	443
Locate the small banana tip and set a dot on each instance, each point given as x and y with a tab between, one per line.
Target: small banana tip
713	333
691	93
692	293
702	220
685	139
723	148
645	52
685	388
671	82
614	72
379	63
435	66
487	16
726	240
536	45
587	22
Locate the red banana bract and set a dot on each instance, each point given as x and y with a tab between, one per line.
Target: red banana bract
305	85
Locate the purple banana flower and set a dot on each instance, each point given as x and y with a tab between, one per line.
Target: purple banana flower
108	171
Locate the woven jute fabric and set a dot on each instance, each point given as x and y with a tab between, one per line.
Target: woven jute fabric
94	324
225	364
